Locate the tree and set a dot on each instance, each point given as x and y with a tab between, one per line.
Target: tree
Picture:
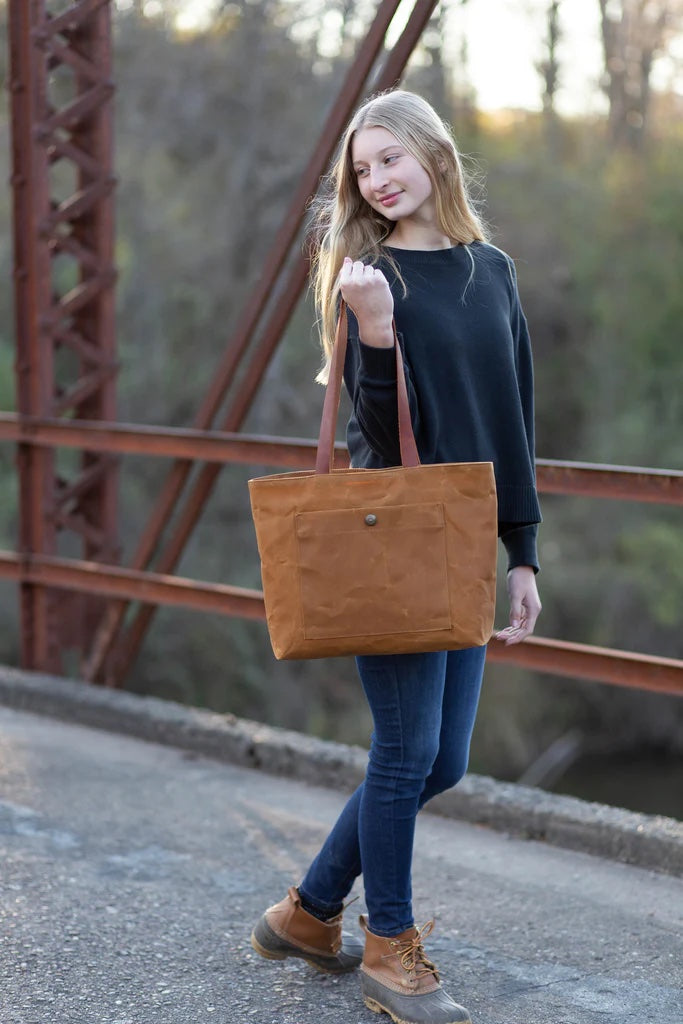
549	67
634	33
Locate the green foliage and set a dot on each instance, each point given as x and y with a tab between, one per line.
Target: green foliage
655	558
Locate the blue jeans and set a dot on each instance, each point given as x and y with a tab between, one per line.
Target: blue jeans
423	708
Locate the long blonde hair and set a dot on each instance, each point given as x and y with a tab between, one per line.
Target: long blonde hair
348	226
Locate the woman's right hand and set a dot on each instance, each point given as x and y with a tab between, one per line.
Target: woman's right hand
366	291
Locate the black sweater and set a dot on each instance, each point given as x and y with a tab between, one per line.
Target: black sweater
467	353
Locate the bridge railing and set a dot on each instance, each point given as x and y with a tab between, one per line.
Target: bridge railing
556	657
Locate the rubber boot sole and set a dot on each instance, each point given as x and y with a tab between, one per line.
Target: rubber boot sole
271	946
412	1010
378	1008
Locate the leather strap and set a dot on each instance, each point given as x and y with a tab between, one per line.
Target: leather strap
325	458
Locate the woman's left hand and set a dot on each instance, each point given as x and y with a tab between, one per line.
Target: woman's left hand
525	605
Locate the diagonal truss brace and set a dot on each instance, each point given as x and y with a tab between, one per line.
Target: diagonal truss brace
113	650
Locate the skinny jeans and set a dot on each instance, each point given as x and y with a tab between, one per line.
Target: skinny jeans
423	708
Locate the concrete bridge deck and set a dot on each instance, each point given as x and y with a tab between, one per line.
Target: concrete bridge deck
130	875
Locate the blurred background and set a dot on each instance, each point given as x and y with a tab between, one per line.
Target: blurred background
570	113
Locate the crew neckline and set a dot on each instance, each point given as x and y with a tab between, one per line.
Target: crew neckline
427	255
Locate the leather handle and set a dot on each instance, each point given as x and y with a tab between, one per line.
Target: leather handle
325	458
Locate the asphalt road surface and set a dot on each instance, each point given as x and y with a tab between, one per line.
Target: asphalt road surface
131	874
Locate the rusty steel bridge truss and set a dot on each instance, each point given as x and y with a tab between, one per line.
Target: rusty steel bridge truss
73	592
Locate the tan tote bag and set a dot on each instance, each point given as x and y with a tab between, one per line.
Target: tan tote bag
376	561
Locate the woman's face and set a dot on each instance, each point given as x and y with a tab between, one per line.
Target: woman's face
390	178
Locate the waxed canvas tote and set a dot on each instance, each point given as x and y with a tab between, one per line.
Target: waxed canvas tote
376	561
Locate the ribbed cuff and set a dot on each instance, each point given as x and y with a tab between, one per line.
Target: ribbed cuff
377	364
520	544
517	504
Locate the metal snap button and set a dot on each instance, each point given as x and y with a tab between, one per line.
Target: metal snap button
371	519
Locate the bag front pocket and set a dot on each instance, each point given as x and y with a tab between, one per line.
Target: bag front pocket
372	571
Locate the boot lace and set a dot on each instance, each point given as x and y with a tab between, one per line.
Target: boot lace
412	955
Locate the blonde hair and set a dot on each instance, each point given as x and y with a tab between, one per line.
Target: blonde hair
348	226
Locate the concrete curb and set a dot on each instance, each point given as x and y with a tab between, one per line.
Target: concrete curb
645	840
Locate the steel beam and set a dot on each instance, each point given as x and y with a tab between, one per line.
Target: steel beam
100	580
625	483
32	301
78	228
585	479
554	657
170	442
597	664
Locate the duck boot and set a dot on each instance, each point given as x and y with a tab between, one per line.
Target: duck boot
398	979
286	929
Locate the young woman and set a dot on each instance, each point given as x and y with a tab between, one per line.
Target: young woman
401	240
